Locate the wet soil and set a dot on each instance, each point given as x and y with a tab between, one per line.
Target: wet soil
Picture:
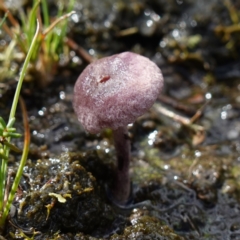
185	168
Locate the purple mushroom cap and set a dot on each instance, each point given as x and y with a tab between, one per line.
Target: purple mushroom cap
113	91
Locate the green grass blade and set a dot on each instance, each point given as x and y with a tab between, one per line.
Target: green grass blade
3	20
60	39
20	168
26	142
3	156
11	122
3	172
46	20
32	22
2	123
22	74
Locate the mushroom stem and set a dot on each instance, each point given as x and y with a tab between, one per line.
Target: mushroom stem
121	185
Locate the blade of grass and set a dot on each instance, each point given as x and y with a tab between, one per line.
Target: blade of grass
22	74
10	16
56	22
24	20
64	28
3	20
3	156
53	44
12	115
32	22
3	171
2	123
55	35
21	165
60	38
46	20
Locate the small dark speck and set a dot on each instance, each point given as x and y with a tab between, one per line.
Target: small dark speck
104	79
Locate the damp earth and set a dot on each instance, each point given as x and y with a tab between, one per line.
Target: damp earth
185	165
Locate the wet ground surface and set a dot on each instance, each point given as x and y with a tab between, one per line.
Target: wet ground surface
185	167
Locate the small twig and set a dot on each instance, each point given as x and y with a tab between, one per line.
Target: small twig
56	22
183	120
227	30
8	31
176	117
175	104
10	172
81	51
232	12
194	163
13	32
13	21
199	112
127	32
189	220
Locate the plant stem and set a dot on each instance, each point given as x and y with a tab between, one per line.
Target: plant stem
12	115
49	29
3	20
32	22
21	165
22	74
46	19
3	172
121	185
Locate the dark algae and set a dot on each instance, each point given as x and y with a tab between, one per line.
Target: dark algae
146	227
63	195
185	150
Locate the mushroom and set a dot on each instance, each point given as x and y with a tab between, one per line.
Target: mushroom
111	93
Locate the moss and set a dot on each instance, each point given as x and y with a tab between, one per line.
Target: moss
82	208
147	227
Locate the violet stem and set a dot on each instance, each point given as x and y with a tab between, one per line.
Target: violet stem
121	185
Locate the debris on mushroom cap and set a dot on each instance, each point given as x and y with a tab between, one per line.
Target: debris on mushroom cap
113	91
